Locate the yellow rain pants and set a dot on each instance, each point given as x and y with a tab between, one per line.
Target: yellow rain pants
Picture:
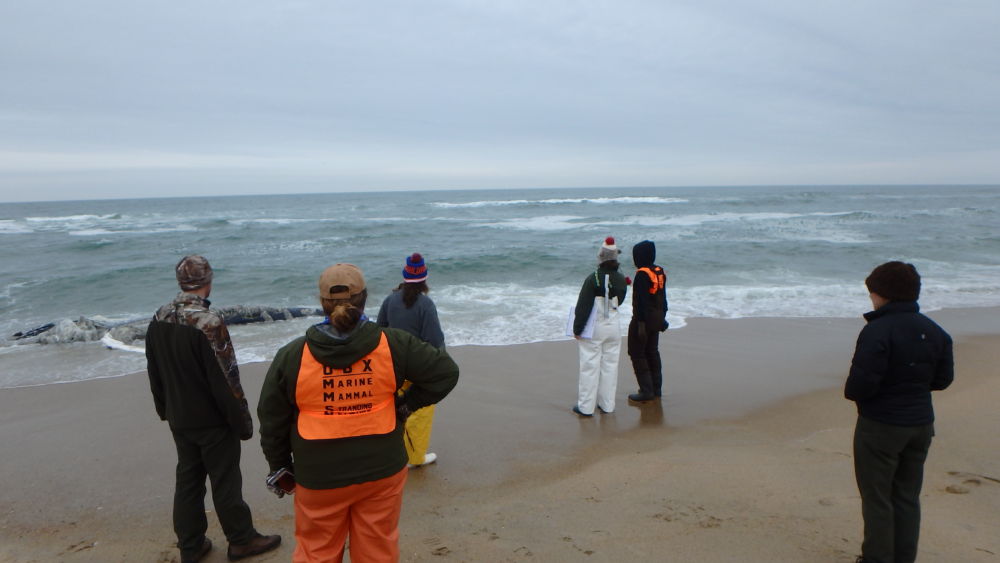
417	433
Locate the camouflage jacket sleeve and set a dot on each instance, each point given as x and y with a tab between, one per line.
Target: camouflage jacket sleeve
225	355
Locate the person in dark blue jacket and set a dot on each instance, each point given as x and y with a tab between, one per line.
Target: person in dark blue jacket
900	357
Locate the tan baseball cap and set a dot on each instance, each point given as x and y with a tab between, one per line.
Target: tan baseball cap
341	281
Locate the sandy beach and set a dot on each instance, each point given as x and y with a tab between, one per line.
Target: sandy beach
747	458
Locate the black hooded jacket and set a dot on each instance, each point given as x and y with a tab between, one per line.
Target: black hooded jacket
901	356
647	308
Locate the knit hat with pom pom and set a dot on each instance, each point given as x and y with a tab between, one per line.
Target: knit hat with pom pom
415	270
608	251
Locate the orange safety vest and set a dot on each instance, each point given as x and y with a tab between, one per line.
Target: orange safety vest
658	277
358	400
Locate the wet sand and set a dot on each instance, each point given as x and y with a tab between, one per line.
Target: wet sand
747	458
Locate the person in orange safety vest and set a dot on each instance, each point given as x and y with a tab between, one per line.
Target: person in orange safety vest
649	319
330	414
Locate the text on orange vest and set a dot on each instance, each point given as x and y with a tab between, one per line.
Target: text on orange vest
358	400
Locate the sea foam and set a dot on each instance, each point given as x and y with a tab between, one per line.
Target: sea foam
504	265
558	201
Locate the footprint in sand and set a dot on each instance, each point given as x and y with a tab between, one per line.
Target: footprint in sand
688	513
969	481
78	547
440	550
664	517
491	535
570	541
710	522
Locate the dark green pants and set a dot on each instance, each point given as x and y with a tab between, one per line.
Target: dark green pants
212	453
889	468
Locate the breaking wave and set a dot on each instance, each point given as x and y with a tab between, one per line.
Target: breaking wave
560	201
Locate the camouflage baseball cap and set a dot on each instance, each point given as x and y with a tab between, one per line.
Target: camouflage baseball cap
193	272
341	281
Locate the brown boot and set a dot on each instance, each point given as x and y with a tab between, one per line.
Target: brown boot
257	545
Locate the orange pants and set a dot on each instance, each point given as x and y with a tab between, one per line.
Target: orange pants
369	512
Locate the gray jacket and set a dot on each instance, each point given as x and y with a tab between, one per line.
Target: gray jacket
420	320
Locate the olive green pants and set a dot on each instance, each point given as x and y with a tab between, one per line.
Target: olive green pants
889	468
212	453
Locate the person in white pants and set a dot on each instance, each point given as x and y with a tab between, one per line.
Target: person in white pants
596	328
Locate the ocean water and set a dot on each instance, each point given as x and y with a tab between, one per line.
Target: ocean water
504	265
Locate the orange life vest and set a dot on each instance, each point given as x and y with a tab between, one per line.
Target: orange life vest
346	402
657	276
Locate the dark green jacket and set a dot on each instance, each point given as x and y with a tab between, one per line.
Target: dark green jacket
331	464
192	368
593	286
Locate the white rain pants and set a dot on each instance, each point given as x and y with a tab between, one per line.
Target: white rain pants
599	361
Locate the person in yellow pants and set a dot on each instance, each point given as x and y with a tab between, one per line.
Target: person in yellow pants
417	435
409	308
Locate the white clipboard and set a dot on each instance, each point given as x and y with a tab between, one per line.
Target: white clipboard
588	330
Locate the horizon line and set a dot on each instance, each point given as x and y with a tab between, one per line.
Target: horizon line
439	190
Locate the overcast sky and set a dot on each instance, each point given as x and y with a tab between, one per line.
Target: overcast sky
126	98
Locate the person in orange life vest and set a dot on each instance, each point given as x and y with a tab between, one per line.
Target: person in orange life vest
408	308
603	290
649	319
329	412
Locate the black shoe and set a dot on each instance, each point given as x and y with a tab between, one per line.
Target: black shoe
259	544
206	546
577	410
640	398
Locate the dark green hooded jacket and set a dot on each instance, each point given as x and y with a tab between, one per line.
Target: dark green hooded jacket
593	286
331	464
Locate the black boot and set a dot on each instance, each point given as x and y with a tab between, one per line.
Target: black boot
640	397
644	378
655	374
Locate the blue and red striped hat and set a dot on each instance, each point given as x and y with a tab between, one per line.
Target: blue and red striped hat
415	270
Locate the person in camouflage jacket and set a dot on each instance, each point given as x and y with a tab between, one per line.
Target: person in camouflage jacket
195	382
225	402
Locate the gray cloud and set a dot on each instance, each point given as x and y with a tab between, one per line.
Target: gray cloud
109	98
